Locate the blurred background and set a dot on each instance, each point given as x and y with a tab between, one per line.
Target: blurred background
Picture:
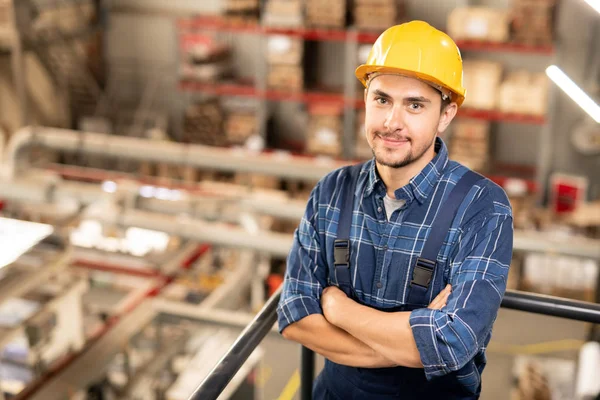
156	157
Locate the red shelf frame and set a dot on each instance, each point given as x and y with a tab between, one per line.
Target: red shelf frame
218	23
316	34
493	115
479	45
245	90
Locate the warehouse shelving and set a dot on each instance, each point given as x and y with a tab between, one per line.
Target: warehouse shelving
308	96
347	98
217	23
73	373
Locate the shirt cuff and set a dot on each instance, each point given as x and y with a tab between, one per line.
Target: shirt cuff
294	308
422	323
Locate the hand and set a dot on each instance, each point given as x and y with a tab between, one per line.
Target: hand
331	299
441	299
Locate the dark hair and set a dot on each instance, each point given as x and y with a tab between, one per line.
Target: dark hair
445	102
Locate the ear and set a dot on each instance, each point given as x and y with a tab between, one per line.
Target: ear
447	116
366	92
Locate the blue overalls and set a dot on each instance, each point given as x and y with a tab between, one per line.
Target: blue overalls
339	382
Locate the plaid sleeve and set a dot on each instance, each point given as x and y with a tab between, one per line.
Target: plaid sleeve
305	275
448	339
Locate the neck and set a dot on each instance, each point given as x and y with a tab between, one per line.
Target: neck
395	178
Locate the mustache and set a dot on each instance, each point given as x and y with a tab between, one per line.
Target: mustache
393	136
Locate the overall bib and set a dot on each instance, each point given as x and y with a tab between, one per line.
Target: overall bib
339	382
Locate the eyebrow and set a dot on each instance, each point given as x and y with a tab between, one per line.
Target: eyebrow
412	99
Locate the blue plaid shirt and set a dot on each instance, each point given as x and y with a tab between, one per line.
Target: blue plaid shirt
475	258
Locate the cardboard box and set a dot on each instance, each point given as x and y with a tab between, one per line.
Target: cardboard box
479	23
324	135
326	14
481	79
375	17
543	378
286	77
523	92
470	143
283	49
283	13
362	149
239	127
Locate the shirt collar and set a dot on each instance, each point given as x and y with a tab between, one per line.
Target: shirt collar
421	185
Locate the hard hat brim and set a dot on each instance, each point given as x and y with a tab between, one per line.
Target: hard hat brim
363	71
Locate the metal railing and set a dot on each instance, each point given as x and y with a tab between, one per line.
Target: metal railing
254	333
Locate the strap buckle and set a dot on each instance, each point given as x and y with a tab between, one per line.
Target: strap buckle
341	252
423	272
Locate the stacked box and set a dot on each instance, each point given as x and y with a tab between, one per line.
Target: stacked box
239	126
243	11
282	49
481	79
285	77
5	19
533	21
470	143
283	13
562	276
324	132
203	124
479	23
326	14
362	149
524	92
377	15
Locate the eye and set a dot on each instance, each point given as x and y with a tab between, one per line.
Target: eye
415	106
381	100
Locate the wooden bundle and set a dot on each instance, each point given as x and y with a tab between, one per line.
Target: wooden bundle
470	143
533	21
203	124
328	14
377	14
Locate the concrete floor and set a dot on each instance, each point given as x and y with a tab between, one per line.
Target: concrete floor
282	358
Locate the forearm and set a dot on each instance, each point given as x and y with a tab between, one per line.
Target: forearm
386	333
333	343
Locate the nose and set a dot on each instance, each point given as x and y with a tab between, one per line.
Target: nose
394	120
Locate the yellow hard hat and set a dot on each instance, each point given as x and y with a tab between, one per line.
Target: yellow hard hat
418	50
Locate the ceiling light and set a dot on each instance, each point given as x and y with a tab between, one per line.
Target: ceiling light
595	4
574	92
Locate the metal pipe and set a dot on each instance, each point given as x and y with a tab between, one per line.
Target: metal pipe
277	244
231	160
307	373
250	338
195	205
552	306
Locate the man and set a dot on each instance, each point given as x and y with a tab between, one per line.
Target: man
399	265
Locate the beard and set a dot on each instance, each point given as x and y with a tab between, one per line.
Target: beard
380	153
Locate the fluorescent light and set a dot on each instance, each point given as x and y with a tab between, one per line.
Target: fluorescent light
17	237
574	92
109	186
595	4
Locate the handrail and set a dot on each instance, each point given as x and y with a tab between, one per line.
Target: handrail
232	361
250	338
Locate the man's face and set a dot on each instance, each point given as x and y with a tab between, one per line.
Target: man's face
402	119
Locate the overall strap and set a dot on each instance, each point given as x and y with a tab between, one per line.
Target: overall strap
425	265
341	246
